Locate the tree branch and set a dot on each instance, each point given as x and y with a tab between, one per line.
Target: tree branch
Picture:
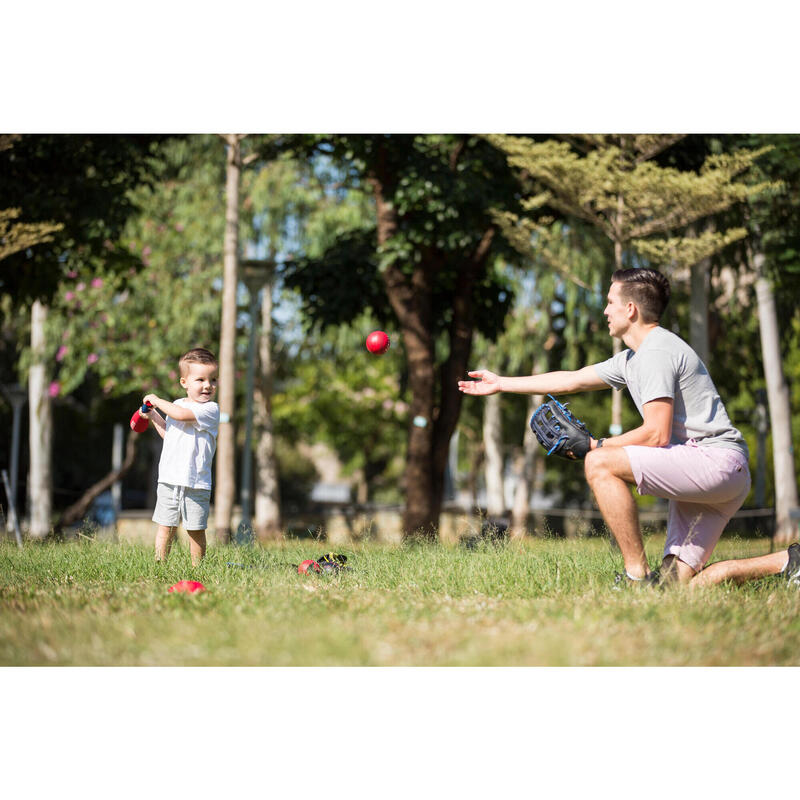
81	506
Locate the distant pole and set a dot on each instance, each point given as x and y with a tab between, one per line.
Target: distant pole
761	423
116	463
255	275
12	511
244	533
17	396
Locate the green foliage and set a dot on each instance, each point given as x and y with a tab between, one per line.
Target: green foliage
442	187
78	187
336	392
619	188
128	330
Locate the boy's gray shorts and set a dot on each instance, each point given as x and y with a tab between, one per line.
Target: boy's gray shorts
176	503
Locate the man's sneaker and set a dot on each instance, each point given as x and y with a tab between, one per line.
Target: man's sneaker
792	569
622	581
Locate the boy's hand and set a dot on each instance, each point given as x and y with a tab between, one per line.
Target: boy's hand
152	399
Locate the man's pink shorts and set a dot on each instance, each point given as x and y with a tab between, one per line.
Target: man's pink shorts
705	487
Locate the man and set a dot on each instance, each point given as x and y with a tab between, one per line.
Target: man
686	449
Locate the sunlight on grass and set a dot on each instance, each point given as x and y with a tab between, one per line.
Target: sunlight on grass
544	601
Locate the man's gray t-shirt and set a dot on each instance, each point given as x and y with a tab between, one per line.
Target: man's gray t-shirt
665	366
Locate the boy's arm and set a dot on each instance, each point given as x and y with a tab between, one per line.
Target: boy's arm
159	423
170	409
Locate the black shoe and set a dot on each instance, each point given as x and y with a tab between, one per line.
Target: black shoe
792	569
622	581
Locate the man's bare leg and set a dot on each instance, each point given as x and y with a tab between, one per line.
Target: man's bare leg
740	570
197	546
164	539
608	471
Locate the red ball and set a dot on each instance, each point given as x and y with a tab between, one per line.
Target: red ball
377	342
187	586
308	566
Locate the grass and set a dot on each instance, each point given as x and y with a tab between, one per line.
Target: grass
544	601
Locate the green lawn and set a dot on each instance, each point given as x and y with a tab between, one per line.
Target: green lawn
542	602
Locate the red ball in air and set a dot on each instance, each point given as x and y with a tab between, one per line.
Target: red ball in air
190	587
377	342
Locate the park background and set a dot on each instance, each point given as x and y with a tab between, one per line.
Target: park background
280	253
610	67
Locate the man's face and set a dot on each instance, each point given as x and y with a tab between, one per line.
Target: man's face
617	312
200	382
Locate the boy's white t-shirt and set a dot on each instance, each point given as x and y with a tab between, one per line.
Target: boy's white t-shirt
189	447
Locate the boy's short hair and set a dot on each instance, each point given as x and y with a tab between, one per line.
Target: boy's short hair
648	288
198	355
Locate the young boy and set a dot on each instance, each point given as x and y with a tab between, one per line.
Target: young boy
190	439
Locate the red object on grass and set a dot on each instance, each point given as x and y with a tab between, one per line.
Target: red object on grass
187	586
377	342
138	422
308	565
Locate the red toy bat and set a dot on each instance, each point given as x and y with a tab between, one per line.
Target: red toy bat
139	422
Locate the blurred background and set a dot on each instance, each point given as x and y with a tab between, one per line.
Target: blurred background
281	253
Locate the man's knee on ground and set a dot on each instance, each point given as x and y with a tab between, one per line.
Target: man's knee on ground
676	571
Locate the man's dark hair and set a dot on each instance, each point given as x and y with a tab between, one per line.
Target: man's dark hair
648	288
199	355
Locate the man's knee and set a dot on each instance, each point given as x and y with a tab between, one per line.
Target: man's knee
673	570
608	462
596	465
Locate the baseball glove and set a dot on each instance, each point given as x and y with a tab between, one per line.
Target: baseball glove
559	432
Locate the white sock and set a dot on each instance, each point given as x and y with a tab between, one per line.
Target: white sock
632	577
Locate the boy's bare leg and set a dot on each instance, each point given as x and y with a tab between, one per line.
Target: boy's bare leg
164	538
608	472
197	546
740	570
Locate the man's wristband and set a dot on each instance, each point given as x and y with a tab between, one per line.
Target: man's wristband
600	442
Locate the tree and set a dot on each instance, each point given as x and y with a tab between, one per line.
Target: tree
72	192
614	183
430	259
112	337
225	476
774	257
289	206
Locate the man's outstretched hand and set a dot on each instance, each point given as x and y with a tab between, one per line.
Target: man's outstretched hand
486	383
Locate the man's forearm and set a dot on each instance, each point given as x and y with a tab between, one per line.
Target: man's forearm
560	382
642	435
547	383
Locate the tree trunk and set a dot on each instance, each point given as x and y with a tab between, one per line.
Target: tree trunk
40	484
226	444
430	426
526	469
779	408
267	504
493	464
698	309
699	298
615	429
413	308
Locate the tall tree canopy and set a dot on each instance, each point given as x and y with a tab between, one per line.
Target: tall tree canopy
426	265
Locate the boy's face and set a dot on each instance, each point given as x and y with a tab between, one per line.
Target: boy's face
200	382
